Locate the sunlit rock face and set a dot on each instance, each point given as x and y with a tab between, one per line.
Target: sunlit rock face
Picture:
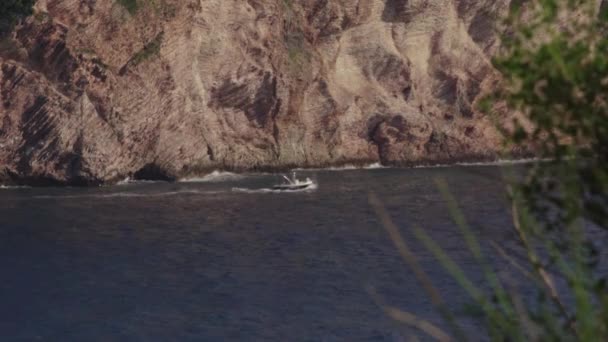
94	91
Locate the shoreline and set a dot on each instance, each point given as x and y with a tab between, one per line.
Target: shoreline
221	174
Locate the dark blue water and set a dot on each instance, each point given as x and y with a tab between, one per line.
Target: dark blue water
211	261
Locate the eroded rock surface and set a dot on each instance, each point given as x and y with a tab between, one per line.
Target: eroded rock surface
92	92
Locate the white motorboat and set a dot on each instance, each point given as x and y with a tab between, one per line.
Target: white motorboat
294	184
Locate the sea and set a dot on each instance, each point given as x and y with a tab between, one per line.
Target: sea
226	258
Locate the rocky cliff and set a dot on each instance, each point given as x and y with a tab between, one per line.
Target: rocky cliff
93	91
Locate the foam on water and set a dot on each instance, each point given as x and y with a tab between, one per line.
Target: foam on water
128	181
124	181
373	166
10	187
215	176
131	194
500	162
346	167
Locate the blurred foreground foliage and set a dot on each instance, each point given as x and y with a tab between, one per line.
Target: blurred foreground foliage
554	66
555	72
555	69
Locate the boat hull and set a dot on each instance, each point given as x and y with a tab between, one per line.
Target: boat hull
291	187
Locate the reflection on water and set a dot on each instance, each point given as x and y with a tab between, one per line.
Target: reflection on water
200	261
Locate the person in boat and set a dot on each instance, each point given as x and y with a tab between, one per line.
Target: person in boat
293	183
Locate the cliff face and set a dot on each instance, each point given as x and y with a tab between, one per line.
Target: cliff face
93	91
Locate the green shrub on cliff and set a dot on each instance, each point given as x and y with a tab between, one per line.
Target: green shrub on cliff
161	6
130	5
13	10
151	49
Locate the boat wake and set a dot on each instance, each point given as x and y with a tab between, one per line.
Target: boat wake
310	188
